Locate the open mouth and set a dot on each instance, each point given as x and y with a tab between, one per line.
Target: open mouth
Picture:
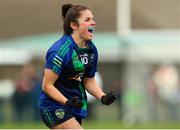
91	29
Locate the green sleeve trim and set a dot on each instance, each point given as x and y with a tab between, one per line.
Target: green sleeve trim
57	61
55	69
56	64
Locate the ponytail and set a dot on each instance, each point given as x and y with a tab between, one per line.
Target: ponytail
65	9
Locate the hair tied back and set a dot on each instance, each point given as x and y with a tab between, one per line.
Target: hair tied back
65	9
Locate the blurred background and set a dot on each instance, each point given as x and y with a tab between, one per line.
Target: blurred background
139	59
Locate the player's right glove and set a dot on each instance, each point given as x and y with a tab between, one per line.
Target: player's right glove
74	102
108	98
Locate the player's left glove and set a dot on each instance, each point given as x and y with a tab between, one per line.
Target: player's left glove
108	98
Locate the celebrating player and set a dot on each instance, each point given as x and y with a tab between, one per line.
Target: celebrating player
70	68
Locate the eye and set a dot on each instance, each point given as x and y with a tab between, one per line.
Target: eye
87	19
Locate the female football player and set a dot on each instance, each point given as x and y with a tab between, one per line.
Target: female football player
70	68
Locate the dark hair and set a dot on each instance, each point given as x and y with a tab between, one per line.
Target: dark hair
70	13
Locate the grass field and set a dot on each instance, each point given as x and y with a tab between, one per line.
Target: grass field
105	118
94	125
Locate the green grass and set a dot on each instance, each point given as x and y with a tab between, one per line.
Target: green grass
119	125
94	125
23	125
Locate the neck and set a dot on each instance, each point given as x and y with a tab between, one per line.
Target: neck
81	43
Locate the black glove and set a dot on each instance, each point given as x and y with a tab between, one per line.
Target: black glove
74	102
108	98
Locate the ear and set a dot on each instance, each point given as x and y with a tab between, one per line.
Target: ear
74	25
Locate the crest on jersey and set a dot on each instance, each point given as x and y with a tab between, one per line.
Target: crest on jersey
60	113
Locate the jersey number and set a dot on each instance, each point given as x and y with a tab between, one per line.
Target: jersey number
84	60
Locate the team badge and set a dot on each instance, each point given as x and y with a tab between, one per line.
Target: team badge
60	113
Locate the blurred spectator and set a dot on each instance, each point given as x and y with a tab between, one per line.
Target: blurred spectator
35	95
164	87
6	91
22	98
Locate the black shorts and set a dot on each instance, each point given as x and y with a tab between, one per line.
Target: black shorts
55	117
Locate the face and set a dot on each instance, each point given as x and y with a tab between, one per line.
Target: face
86	25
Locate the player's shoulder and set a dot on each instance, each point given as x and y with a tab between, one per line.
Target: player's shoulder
61	50
61	43
92	46
61	46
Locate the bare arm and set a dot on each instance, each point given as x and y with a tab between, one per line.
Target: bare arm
93	88
48	86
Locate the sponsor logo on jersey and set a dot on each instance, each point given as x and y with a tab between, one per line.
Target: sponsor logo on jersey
78	77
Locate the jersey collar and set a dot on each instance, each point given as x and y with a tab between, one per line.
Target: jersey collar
76	46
